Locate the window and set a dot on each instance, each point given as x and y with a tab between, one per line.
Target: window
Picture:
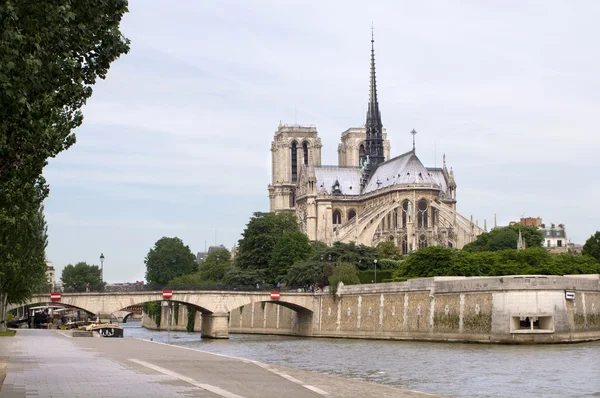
404	244
559	243
337	217
305	151
294	162
548	243
351	214
406	213
422	241
422	217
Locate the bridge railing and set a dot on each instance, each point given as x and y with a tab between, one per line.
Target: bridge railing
154	288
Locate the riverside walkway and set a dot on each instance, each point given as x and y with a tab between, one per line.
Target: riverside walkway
50	363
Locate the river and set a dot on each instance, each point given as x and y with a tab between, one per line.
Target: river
452	369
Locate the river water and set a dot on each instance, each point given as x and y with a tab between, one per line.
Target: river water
452	369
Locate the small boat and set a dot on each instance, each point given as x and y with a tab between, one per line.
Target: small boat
106	329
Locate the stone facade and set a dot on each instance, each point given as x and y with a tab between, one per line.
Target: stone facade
368	197
510	309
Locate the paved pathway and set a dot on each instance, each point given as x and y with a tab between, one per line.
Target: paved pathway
47	363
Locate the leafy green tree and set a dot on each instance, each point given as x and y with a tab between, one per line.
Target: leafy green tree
388	250
215	265
168	259
592	246
360	255
290	248
259	249
346	273
309	272
51	53
505	238
81	277
23	241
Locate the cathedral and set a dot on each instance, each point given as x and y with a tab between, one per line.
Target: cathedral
368	197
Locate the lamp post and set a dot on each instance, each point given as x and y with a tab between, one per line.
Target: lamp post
102	268
375	262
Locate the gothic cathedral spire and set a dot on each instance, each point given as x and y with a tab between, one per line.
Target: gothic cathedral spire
374	141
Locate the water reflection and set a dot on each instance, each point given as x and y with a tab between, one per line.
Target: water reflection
455	369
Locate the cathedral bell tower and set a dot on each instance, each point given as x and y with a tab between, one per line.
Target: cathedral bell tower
292	147
374	143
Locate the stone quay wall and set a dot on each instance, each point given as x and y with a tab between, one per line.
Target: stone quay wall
508	309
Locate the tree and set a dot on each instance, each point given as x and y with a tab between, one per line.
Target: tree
82	277
360	255
592	246
168	259
290	248
346	273
210	272
505	238
23	242
307	272
388	250
51	53
259	240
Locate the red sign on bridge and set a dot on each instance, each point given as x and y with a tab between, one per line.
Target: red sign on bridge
275	295
167	294
55	296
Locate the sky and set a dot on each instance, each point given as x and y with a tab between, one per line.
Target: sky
176	140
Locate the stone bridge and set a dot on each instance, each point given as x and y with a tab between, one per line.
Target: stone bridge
215	306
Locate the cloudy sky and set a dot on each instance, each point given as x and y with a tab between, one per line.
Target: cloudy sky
176	140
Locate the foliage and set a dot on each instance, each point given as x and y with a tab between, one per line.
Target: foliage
261	252
369	276
505	238
592	246
244	277
80	276
346	273
211	272
291	247
191	319
23	240
215	265
51	53
388	250
442	261
168	259
387	264
308	272
154	310
360	255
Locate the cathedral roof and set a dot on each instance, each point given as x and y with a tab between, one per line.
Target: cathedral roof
347	177
401	170
438	175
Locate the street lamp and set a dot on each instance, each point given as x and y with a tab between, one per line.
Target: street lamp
102	267
375	261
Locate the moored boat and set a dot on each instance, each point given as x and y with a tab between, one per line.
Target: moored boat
106	329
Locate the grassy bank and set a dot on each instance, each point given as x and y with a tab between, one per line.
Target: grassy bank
8	333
